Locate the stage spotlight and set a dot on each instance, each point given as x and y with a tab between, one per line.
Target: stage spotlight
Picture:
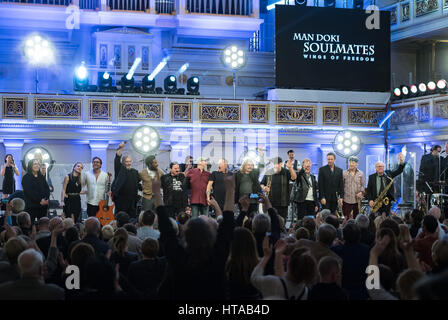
193	86
148	86
422	88
145	140
397	92
431	85
170	84
347	143
81	80
414	89
38	50
441	84
105	83
405	91
38	153
233	58
127	85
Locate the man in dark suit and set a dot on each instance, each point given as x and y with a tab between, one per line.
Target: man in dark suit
305	196
126	184
331	184
31	285
431	166
379	181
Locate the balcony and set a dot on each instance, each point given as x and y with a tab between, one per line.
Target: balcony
417	18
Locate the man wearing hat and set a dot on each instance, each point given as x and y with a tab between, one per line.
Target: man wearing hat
151	172
198	178
354	182
276	184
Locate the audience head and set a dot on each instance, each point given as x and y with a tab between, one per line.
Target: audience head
325	213
17	205
120	241
261	223
329	270
43	224
333	220
13	248
122	218
405	235
302	233
31	264
435	212
130	228
148	218
54	222
68	223
391	224
326	234
387	277
301	266
107	232
362	221
439	252
429	224
405	283
24	220
150	248
182	218
351	233
200	240
432	288
71	234
309	224
81	253
417	217
92	226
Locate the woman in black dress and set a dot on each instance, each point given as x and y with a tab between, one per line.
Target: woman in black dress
36	191
71	193
8	170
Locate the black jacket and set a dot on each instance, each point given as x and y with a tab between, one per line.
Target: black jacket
302	186
429	167
256	188
34	189
371	191
330	184
120	177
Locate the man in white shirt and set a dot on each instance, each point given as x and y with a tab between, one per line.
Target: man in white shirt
96	183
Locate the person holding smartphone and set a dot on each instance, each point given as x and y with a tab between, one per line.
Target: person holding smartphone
7	172
36	191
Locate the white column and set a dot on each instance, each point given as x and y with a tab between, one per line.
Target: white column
152	6
14	147
256	8
99	149
181	8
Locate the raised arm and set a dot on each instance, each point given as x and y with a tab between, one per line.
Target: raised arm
400	168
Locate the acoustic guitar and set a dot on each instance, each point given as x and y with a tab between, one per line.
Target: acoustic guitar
106	213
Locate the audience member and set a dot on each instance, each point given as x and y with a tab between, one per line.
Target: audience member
329	286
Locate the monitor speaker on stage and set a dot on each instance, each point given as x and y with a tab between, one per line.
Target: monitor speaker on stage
324	48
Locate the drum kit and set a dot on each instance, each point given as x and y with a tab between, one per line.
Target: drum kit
438	199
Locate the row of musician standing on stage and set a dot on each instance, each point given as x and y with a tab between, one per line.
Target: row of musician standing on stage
287	183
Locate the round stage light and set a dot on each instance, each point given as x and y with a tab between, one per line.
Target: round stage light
38	51
39	153
405	90
397	92
431	85
106	75
193	86
170	84
148	84
441	84
81	72
422	87
346	143
414	89
81	80
233	58
145	140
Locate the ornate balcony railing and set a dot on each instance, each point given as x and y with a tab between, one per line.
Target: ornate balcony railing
232	7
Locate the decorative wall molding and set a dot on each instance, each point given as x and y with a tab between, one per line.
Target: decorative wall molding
332	115
403	115
100	109
220	112
181	111
258	113
14	107
51	108
364	117
140	110
405	11
424	112
441	109
286	114
425	6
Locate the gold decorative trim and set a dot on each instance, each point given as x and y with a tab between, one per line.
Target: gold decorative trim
258	113
181	111
62	109
290	114
14	107
137	110
103	112
359	116
210	112
331	115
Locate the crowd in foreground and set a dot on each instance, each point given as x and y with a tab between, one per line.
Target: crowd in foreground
238	255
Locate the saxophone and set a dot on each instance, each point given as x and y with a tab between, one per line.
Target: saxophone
382	199
269	185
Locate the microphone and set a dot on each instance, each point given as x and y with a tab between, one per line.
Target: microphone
120	143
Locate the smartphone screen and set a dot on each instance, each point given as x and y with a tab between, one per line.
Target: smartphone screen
253	196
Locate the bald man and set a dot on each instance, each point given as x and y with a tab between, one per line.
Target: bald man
31	285
379	181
